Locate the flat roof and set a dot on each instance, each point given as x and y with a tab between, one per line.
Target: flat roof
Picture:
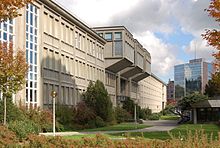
207	104
58	8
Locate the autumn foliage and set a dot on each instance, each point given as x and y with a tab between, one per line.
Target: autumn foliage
9	8
213	36
13	68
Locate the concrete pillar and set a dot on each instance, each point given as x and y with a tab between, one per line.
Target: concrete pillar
194	116
129	87
118	85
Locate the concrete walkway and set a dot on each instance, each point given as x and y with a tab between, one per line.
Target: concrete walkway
159	125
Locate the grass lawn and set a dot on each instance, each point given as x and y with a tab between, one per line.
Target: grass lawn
169	117
181	130
91	136
118	127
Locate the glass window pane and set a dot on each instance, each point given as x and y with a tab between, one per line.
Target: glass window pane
118	48
31	57
118	36
108	36
5	36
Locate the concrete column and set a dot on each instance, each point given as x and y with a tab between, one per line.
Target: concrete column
129	87
118	85
194	116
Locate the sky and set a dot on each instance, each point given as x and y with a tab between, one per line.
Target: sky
169	29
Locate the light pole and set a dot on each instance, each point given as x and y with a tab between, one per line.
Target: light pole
53	95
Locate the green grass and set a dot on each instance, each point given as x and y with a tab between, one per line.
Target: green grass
91	136
180	130
171	117
118	127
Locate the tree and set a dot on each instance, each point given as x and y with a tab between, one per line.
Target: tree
213	36
96	97
187	101
185	104
13	69
128	105
9	8
213	87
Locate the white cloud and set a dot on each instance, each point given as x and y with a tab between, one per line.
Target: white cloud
97	12
198	47
145	17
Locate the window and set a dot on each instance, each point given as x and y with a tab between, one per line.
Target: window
118	36
31	54
118	48
108	36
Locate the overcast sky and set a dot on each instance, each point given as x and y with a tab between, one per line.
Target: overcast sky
169	29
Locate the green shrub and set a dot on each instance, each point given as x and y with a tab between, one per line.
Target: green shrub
13	112
154	116
99	122
97	99
23	128
65	114
122	115
145	113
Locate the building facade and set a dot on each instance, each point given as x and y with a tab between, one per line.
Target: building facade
153	93
170	90
191	77
64	55
126	63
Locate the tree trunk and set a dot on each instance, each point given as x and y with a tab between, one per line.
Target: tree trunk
5	109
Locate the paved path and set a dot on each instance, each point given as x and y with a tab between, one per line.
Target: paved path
159	125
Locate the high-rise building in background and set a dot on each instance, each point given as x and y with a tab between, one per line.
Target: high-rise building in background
191	77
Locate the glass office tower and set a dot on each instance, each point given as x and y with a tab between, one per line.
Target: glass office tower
191	77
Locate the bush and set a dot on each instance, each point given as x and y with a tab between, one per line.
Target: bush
23	128
43	118
145	113
122	115
154	116
99	122
83	114
96	98
199	139
13	112
65	115
7	137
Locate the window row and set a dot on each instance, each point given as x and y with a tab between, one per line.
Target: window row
94	73
66	95
72	36
6	30
70	66
109	36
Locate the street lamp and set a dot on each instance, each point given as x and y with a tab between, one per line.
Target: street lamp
53	95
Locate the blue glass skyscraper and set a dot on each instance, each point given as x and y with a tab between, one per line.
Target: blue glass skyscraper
191	77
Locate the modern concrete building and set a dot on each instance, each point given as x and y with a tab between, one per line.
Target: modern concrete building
152	92
126	62
64	55
191	77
